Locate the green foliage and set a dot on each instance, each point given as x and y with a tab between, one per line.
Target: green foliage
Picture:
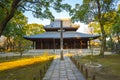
40	9
116	25
100	11
116	28
79	13
12	19
116	31
95	26
108	24
14	32
88	11
21	45
14	27
5	6
32	29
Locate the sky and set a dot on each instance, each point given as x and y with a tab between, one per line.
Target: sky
63	14
83	28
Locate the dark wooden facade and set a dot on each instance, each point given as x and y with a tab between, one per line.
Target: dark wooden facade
51	39
55	44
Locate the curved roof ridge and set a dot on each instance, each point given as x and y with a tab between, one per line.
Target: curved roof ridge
56	35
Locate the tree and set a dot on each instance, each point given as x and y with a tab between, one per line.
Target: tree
107	27
32	29
8	7
40	9
116	29
95	10
14	30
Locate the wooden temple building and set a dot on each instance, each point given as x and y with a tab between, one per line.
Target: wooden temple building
51	38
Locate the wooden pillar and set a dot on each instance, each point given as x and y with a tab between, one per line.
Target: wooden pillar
89	44
54	44
81	44
71	44
74	44
41	44
34	45
48	42
61	38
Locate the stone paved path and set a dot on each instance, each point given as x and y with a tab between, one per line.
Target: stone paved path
63	70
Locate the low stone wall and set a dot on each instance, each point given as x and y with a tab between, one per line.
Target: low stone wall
57	51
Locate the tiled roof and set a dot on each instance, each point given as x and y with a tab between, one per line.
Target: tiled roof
56	35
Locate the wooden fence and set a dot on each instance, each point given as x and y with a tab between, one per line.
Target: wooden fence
83	69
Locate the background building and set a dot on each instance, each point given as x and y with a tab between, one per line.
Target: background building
51	38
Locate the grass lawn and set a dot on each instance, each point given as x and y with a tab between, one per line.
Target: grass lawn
12	58
25	70
110	66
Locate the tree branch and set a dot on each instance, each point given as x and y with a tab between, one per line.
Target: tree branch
7	18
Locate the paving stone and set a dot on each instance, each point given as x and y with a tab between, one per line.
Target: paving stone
63	70
55	76
71	78
45	78
54	79
63	78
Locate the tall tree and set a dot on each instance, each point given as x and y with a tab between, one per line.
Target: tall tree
14	29
107	27
95	10
9	7
116	29
39	8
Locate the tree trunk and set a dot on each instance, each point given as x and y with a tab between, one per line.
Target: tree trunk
7	44
13	46
112	44
118	43
118	38
20	48
9	16
103	43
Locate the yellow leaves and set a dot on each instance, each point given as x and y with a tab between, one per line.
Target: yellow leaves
22	62
32	29
108	21
95	26
95	43
110	15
